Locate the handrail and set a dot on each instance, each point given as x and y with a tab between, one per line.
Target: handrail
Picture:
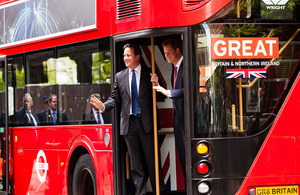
127	166
156	153
240	87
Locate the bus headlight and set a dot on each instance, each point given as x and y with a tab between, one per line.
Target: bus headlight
203	168
203	148
203	187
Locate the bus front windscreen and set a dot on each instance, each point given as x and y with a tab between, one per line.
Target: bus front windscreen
242	76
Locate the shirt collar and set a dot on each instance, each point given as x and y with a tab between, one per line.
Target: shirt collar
179	62
52	111
137	69
95	111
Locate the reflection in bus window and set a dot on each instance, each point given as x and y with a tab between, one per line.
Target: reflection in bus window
2	95
52	115
229	106
20	72
93	115
93	76
61	70
101	69
16	80
72	72
2	85
35	71
25	116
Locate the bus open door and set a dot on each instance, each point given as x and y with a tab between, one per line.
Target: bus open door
168	157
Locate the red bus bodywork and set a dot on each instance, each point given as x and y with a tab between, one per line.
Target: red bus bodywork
65	140
278	155
27	142
108	24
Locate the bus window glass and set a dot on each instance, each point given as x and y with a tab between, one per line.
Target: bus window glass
1	27
16	88
38	67
33	97
240	81
2	79
2	94
16	64
91	62
62	80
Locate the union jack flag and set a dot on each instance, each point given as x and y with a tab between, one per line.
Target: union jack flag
246	73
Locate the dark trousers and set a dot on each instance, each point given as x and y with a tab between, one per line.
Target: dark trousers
141	152
179	134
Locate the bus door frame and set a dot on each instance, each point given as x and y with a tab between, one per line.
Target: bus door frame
3	58
187	45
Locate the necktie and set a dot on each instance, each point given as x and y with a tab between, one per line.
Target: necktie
134	95
175	76
29	117
98	117
31	120
54	117
174	82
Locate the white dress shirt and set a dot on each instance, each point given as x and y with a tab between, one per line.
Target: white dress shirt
178	66
137	70
96	118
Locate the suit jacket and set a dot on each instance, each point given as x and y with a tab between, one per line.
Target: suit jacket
177	94
46	118
89	118
22	119
121	97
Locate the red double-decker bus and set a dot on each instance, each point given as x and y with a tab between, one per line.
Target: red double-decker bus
241	94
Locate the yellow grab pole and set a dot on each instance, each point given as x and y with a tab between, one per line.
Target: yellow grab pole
241	105
127	166
233	117
155	119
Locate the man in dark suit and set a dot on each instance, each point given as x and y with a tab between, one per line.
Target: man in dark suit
94	116
24	116
173	53
53	116
132	92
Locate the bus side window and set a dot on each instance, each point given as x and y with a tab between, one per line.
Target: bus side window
91	74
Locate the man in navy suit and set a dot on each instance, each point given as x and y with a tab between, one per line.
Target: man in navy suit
94	116
132	92
173	53
24	116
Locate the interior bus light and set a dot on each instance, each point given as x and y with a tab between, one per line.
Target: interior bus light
202	148
203	168
203	188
